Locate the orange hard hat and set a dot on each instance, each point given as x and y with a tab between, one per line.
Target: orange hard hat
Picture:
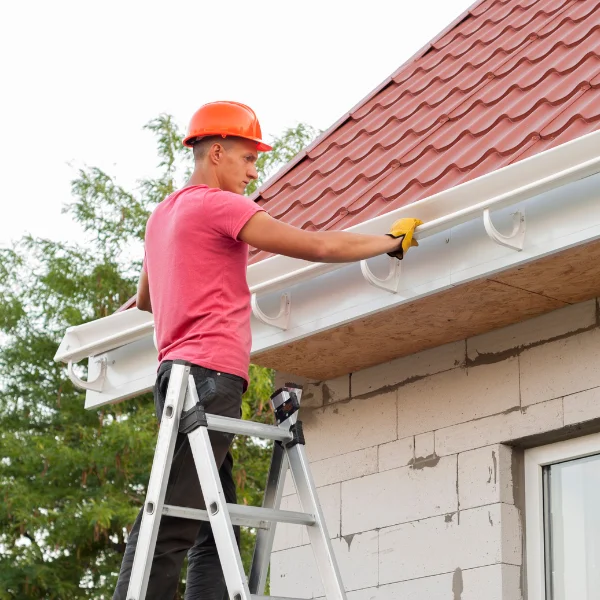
225	118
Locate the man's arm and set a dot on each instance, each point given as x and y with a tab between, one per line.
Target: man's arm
143	293
268	234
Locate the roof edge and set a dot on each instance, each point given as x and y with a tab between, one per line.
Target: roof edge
503	187
122	343
303	153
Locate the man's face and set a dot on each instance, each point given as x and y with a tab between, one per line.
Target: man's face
237	167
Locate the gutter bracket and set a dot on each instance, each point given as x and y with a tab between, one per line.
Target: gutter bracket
95	385
390	283
515	239
281	320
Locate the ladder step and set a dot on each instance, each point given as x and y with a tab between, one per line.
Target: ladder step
246	516
238	426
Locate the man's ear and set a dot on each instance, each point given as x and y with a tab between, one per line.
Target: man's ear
215	153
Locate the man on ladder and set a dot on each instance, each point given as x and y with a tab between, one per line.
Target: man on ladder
194	282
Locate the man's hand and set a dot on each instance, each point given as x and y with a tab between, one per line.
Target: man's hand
405	229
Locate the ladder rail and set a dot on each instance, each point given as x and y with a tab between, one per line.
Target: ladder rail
214	500
263	546
157	485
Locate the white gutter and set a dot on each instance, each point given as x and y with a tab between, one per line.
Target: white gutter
103	335
496	190
326	295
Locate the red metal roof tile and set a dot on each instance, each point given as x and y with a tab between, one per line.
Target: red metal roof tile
510	79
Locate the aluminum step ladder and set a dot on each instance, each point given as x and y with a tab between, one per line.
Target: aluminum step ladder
184	412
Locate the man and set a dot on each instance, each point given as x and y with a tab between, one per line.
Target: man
194	282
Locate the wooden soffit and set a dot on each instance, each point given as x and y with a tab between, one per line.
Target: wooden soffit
473	308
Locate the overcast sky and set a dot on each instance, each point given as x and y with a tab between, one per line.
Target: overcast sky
80	79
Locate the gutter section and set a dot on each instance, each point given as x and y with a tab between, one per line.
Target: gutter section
510	185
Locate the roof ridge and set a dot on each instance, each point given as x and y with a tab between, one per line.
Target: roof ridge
422	51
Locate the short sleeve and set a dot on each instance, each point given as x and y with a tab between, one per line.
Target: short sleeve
230	212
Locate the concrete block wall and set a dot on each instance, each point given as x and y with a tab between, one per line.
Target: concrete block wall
418	461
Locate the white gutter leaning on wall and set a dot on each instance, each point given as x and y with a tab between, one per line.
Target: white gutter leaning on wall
549	201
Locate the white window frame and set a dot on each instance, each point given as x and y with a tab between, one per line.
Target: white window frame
535	459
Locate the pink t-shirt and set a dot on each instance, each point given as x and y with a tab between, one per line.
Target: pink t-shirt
197	274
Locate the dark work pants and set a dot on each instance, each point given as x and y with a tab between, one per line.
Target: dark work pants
177	536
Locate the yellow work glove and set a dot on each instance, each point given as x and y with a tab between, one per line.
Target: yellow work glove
404	228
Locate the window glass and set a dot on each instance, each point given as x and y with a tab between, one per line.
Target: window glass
572	524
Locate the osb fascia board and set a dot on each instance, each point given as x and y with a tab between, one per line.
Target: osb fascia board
471	309
572	276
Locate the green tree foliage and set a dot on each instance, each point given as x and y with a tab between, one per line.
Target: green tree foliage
72	481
